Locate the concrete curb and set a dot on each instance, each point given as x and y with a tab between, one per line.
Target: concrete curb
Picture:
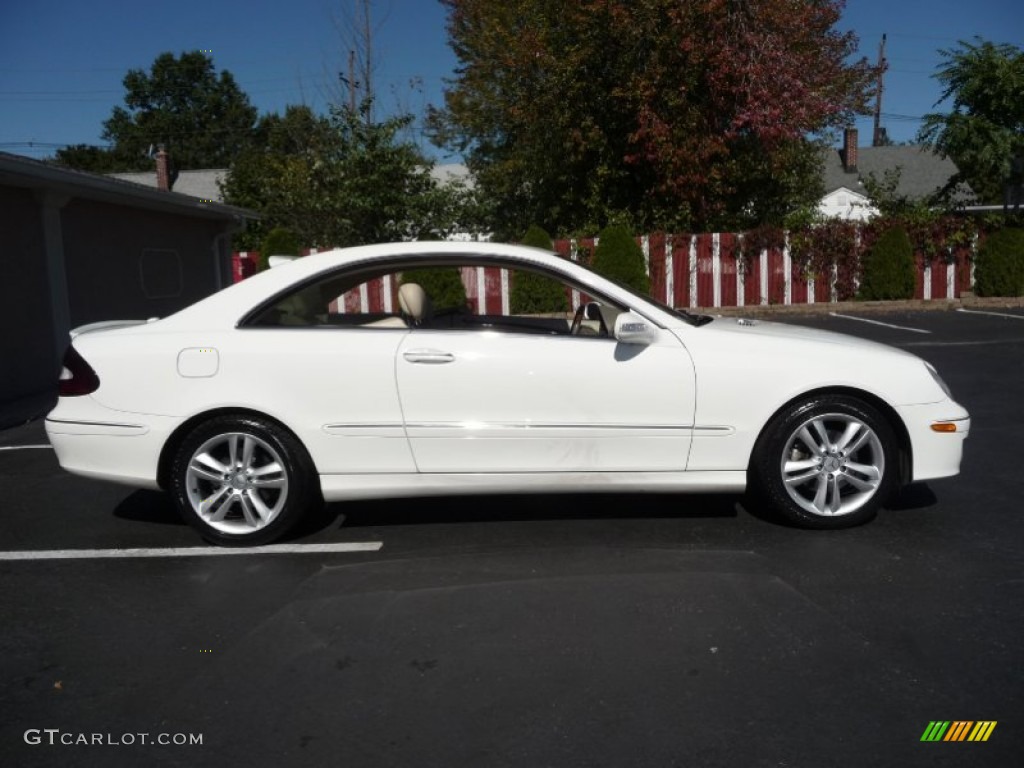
870	307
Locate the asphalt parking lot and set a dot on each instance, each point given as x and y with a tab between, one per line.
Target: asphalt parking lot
627	630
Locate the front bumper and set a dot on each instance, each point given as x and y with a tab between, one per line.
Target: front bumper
935	454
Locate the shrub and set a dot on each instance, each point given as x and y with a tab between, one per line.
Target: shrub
442	284
532	292
619	258
999	266
278	242
888	269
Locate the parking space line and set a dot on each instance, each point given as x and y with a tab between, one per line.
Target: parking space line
979	343
994	314
270	549
878	322
22	447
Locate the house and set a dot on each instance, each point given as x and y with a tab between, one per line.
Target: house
203	184
922	173
77	248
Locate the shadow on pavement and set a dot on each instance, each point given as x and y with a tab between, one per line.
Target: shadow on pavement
916	496
145	506
527	507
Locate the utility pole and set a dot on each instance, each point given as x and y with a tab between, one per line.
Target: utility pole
354	25
352	81
878	138
368	59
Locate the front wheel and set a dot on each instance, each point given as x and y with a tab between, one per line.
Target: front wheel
826	462
241	481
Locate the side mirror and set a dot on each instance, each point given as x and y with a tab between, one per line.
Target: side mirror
633	329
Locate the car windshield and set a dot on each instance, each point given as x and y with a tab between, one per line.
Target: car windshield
690	317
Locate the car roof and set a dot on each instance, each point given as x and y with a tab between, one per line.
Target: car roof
226	308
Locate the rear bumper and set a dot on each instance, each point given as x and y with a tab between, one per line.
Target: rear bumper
94	441
935	454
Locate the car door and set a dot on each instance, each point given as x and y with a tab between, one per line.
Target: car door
495	401
329	375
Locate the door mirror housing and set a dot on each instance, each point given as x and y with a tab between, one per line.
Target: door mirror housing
633	329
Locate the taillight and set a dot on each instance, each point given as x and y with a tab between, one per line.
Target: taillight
77	377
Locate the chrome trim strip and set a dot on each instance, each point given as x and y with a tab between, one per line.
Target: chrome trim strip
360	425
713	430
468	425
481	425
97	424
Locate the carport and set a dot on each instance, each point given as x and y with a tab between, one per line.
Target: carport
78	248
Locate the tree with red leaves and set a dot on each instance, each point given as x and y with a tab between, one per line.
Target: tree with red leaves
669	113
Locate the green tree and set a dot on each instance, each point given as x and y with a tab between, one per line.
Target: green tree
532	292
679	114
86	157
274	176
619	258
1000	264
378	185
278	242
984	130
443	285
888	268
202	118
342	180
883	193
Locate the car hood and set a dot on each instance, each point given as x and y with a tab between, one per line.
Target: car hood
759	328
791	359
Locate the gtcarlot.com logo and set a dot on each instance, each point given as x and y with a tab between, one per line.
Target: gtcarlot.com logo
958	730
55	737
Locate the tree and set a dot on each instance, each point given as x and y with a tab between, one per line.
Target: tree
86	157
619	258
274	176
888	268
533	292
278	242
204	120
677	114
1000	264
443	285
984	130
342	180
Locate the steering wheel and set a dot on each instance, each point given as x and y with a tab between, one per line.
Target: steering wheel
577	321
589	311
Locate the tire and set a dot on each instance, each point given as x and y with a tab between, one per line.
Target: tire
242	481
826	462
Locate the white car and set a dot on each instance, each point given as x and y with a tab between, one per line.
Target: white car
332	378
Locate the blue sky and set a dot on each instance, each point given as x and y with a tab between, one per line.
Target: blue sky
62	61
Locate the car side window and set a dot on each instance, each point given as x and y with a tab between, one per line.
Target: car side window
458	296
335	301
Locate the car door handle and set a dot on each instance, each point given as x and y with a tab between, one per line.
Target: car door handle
428	356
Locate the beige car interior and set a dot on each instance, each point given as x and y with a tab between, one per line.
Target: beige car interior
415	305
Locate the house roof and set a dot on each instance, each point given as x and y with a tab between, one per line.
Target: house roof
922	172
18	171
204	183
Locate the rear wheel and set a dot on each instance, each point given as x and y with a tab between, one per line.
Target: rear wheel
826	462
242	481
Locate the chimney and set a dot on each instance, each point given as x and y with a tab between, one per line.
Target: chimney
163	172
850	150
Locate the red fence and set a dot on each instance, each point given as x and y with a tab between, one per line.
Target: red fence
685	270
703	271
